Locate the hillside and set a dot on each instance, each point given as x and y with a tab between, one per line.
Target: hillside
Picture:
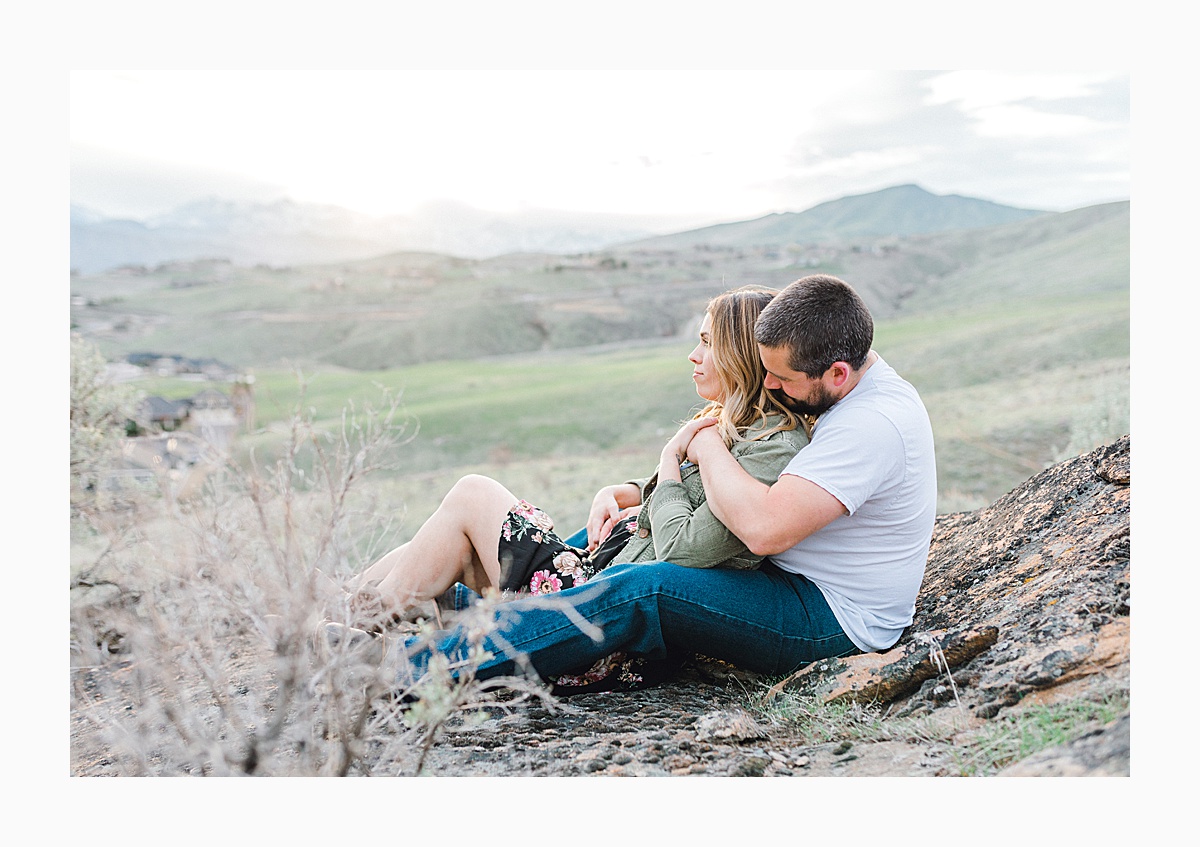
406	308
1016	335
900	211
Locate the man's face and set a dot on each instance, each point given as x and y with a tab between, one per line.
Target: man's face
805	394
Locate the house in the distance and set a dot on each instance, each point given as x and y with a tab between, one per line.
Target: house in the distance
182	366
180	442
213	418
158	414
211	415
177	443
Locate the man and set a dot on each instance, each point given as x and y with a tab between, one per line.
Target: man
853	512
846	527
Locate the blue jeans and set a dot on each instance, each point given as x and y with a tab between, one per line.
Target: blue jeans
767	621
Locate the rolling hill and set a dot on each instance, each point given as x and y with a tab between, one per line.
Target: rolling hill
903	210
406	308
1016	335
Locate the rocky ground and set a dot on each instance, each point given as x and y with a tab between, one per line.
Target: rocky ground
1025	603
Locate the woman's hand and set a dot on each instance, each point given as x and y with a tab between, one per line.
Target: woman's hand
610	524
610	505
675	450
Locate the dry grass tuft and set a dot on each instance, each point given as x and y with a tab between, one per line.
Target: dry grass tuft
206	653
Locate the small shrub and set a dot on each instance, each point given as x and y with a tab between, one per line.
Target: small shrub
1102	422
100	412
211	661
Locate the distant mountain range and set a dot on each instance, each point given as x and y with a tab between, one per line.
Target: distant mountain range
285	233
902	210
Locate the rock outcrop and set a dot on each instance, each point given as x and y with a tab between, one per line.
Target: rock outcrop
1027	595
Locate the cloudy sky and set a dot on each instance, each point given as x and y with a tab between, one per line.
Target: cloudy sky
693	146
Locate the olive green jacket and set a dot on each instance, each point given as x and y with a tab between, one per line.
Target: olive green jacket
676	524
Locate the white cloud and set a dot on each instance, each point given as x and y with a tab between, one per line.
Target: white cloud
1015	121
722	144
1020	104
975	89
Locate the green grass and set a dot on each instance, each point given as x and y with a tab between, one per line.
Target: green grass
1011	738
1014	387
1010	390
1020	351
541	423
981	751
1075	255
1001	341
814	722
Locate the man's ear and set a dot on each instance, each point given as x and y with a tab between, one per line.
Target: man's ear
839	372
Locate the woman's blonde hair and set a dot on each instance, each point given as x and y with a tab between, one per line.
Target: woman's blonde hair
739	370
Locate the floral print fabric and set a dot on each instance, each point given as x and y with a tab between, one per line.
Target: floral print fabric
534	560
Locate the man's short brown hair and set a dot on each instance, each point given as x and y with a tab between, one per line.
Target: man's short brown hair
820	320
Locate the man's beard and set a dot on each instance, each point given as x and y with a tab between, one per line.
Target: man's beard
823	403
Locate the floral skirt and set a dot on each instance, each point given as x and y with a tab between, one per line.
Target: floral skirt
534	560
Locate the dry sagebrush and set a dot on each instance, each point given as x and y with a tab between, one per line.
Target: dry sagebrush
220	664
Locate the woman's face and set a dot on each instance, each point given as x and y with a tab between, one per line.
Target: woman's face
704	374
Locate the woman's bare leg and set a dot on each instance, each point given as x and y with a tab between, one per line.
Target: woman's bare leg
459	543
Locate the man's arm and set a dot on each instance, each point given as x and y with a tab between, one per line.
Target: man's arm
768	519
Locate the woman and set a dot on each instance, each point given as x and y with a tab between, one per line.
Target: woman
485	537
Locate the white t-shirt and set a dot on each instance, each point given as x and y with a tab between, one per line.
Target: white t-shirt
873	451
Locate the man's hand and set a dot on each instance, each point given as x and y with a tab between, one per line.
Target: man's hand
703	441
767	518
